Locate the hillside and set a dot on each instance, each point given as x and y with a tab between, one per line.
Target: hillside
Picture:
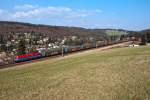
114	74
146	31
60	31
53	31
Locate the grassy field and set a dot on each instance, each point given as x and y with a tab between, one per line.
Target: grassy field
115	74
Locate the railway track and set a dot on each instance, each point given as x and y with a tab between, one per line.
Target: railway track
123	44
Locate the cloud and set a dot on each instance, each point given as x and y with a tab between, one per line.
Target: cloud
98	11
25	7
48	15
31	11
1	11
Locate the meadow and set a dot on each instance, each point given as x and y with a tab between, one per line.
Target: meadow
114	74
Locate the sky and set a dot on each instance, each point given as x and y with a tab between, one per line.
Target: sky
124	14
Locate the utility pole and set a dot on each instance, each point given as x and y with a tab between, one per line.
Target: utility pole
62	47
96	44
62	50
146	37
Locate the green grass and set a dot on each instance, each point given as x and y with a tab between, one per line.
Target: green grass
116	74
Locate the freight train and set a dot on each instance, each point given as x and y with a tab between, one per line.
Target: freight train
58	51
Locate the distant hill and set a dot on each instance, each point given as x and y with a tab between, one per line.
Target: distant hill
146	31
53	31
146	34
60	31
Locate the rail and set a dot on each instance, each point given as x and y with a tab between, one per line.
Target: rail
59	55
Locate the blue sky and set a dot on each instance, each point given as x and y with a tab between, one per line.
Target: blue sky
126	14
